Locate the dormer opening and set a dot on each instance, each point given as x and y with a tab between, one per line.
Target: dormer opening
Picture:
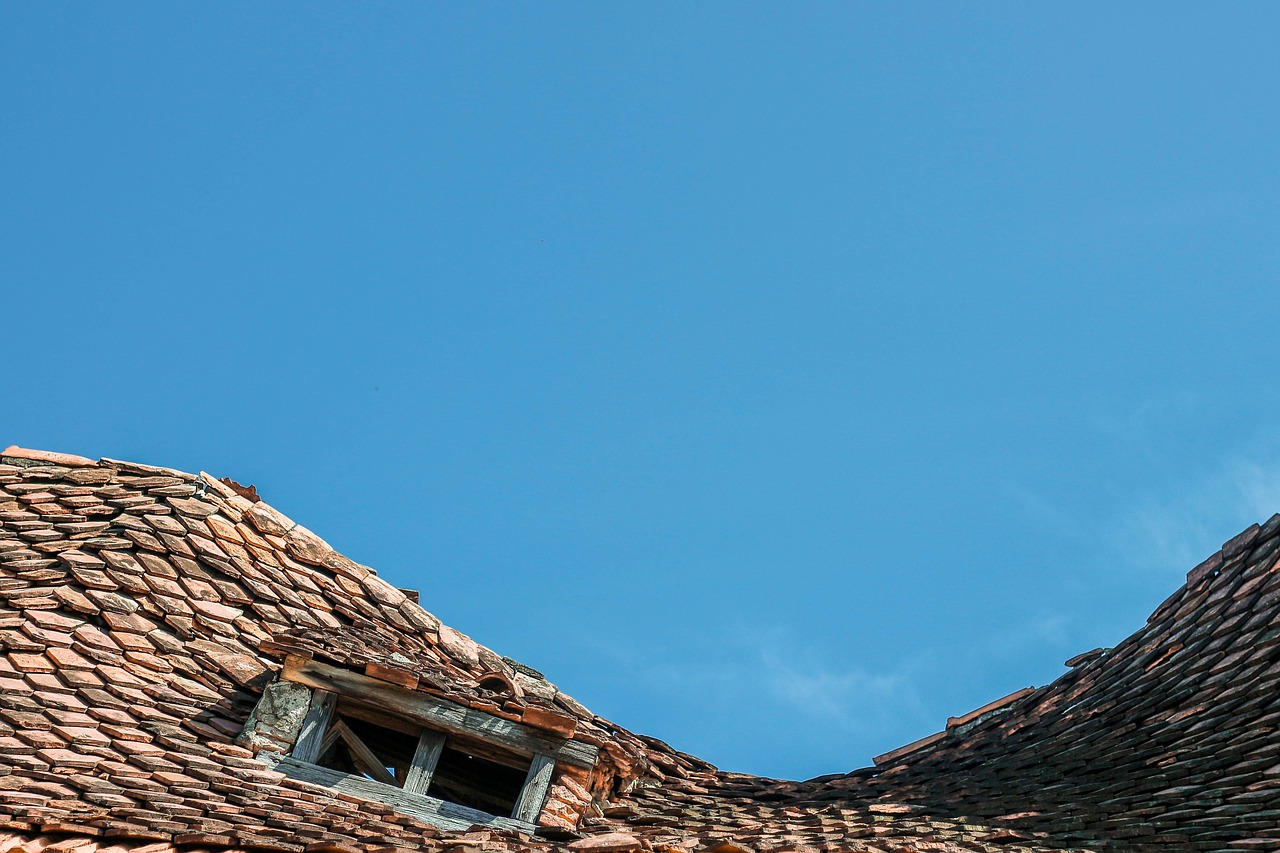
361	741
448	764
362	748
480	781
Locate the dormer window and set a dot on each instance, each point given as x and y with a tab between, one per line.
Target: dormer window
425	756
361	741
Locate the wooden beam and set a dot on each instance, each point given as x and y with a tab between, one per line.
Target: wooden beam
476	748
447	816
314	725
438	713
363	756
348	707
328	741
425	759
534	793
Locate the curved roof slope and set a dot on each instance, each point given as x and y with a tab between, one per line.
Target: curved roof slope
1168	741
143	611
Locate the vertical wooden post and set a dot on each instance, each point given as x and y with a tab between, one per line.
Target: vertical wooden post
534	793
425	758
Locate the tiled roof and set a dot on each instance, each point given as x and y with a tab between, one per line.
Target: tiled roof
143	610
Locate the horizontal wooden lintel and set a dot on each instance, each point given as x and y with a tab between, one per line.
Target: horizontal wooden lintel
437	713
447	816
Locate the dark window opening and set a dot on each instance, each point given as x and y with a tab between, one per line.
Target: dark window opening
470	780
365	749
459	767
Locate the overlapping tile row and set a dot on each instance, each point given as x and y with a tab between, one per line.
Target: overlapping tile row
1170	741
142	610
729	812
133	605
693	810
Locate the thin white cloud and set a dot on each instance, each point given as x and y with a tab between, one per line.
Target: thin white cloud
1175	533
853	698
800	680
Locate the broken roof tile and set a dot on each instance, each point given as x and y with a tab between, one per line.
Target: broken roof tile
13	452
133	601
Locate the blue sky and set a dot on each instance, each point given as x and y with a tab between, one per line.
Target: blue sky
779	379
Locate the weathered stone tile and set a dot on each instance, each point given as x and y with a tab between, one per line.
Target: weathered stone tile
187	563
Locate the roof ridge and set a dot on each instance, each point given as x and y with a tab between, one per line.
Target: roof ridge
135	602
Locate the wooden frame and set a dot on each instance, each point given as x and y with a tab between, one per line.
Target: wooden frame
435	719
425	759
437	713
314	724
447	816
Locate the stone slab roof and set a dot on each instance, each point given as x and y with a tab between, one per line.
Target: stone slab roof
143	611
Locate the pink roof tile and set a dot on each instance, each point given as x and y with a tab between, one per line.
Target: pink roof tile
142	609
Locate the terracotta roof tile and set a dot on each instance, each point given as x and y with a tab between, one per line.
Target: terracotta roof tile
142	610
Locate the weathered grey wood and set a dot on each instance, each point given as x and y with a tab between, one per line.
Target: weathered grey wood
438	713
369	714
534	793
328	741
363	756
425	759
314	726
497	753
448	816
